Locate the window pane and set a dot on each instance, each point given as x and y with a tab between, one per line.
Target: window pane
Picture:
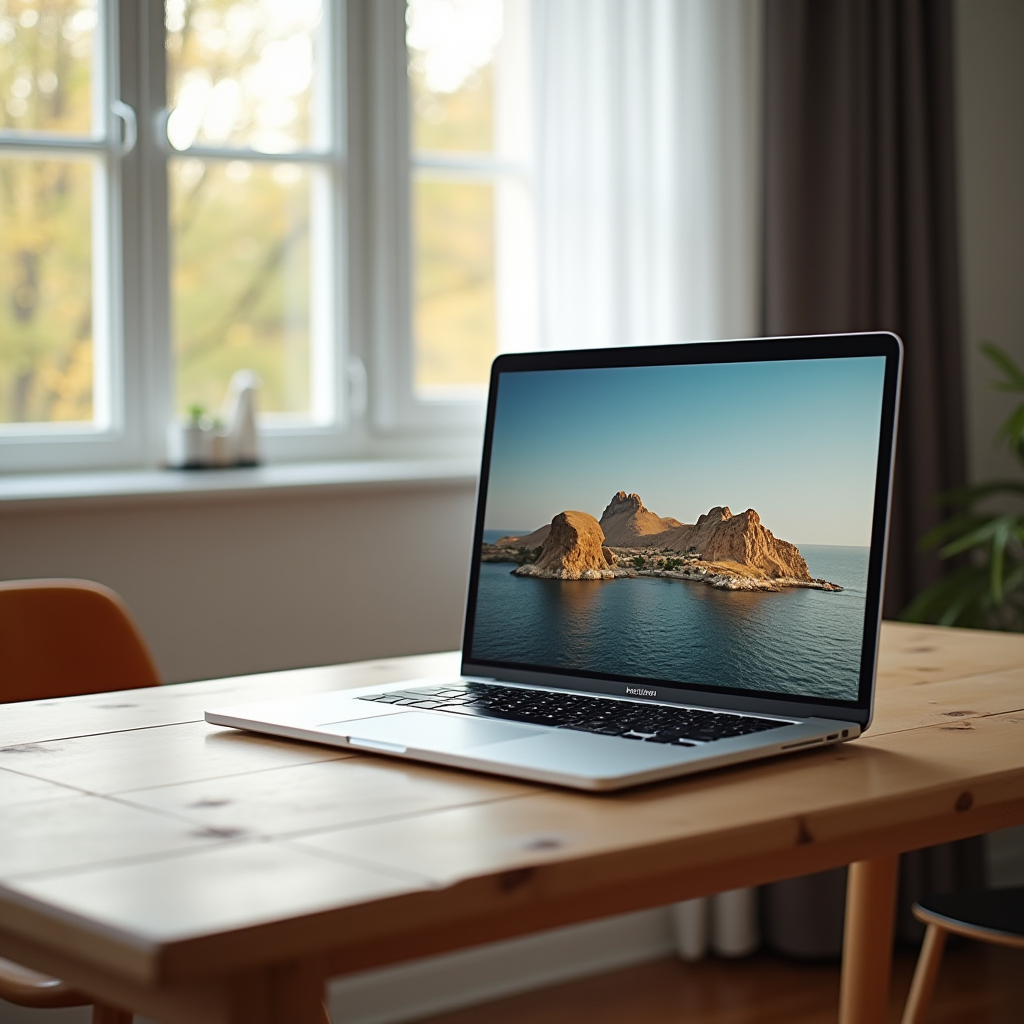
245	73
454	320
452	46
46	65
240	283
469	91
46	329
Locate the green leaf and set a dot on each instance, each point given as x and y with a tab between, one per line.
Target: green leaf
975	492
1000	538
933	603
1013	428
952	529
975	538
970	598
1014	579
1013	373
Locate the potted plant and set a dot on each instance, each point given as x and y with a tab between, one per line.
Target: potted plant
984	533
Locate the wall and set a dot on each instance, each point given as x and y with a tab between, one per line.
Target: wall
990	101
990	95
225	586
233	586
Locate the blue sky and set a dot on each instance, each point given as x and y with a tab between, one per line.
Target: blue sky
797	441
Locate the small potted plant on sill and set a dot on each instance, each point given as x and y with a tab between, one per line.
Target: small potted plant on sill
188	441
985	533
200	442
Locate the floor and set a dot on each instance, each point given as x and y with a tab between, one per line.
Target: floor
978	985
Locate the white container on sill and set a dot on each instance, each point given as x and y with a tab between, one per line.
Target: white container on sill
188	445
200	444
219	448
241	436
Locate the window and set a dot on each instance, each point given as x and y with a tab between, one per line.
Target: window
361	200
58	186
192	187
471	204
255	182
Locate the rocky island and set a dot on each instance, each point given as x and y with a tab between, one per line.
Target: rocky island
721	550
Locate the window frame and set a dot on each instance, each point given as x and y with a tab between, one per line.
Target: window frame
396	410
113	438
288	439
375	412
507	170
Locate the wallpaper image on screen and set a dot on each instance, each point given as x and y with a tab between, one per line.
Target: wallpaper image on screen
704	525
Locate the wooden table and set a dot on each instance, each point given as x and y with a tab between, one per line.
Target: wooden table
202	875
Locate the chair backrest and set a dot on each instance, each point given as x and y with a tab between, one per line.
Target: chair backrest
59	638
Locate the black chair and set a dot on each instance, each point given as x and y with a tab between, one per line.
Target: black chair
994	915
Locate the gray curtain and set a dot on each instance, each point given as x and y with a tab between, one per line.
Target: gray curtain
860	221
860	235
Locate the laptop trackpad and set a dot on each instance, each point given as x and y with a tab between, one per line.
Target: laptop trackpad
420	731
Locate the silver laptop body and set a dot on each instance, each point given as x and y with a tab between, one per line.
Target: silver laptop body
677	565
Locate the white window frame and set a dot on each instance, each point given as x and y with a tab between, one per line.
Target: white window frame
112	438
324	432
369	380
395	167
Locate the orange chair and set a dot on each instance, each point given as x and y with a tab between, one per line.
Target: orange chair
62	638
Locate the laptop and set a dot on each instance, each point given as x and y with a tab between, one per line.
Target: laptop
677	565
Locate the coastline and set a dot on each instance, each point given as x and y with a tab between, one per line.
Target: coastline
726	580
720	575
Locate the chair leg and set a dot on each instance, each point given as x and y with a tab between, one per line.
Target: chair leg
925	975
110	1015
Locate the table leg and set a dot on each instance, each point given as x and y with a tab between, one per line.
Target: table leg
867	940
283	994
297	992
102	1014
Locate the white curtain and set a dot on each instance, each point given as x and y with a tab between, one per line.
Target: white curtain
647	119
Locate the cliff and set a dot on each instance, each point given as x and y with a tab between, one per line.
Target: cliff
532	540
628	524
719	536
734	552
574	550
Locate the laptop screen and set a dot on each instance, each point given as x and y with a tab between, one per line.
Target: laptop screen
701	524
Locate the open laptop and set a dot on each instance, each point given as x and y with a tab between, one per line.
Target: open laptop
677	564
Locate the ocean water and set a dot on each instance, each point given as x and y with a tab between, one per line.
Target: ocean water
797	641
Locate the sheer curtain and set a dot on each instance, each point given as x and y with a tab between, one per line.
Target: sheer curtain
648	170
648	195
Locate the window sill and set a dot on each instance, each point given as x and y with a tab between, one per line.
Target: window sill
23	493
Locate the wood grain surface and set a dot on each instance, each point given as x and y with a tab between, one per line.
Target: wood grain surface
169	865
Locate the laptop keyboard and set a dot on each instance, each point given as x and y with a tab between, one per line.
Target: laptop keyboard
651	723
